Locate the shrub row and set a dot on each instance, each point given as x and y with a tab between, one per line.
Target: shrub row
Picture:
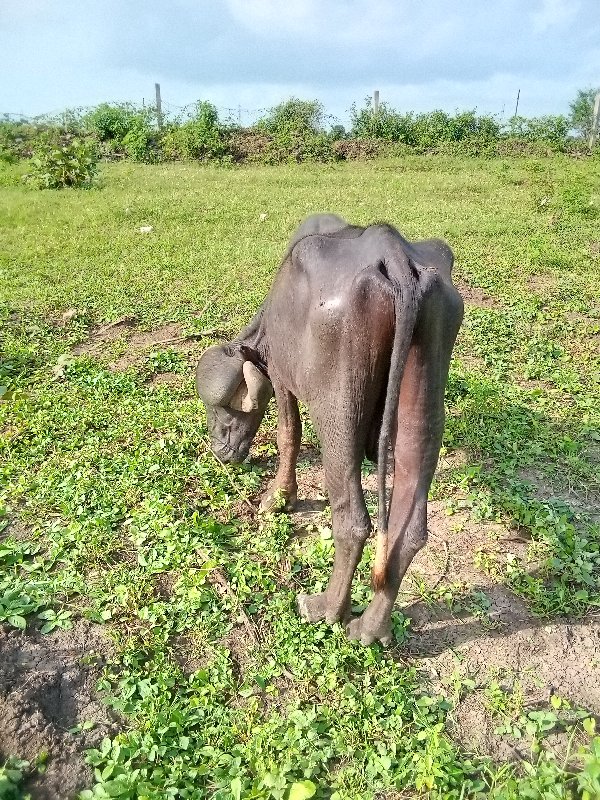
294	131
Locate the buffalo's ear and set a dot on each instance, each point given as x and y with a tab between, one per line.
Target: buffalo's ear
218	375
254	391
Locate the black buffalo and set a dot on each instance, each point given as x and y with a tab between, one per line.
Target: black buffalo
359	325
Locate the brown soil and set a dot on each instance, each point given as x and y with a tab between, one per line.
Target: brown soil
189	652
173	379
46	688
122	346
542	283
476	297
505	642
102	335
500	640
16	530
581	499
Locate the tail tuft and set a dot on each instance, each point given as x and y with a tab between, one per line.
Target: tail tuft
378	573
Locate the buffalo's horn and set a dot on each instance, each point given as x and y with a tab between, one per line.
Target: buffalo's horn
252	391
218	375
259	387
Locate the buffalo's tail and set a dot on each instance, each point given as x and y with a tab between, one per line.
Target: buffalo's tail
407	298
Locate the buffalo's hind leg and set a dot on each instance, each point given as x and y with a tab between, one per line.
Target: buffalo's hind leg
284	489
416	449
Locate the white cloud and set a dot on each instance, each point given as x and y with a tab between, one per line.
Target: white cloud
554	13
255	53
268	17
408	23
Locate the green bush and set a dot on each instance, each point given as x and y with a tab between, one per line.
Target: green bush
114	122
9	142
385	124
294	131
465	131
140	143
552	130
426	131
302	116
70	121
17	139
200	137
297	131
7	147
57	165
123	129
337	133
432	128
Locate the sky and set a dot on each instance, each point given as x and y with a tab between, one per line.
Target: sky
247	55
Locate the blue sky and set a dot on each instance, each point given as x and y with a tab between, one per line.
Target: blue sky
251	54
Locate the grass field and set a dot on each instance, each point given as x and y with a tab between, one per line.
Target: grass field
130	557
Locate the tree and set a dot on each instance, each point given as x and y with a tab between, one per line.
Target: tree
582	109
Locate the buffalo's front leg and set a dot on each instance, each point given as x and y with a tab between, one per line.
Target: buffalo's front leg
283	490
351	527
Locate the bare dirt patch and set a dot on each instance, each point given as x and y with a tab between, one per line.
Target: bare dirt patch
476	297
46	689
16	529
189	652
121	345
173	379
492	635
583	500
103	335
542	283
506	642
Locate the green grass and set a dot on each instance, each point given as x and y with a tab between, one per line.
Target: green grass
131	523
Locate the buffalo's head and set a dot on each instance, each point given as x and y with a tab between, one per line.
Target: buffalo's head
236	394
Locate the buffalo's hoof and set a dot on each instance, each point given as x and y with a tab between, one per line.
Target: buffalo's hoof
277	500
367	633
316	607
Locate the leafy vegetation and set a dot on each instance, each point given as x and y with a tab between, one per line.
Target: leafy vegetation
550	129
423	131
122	129
298	131
114	122
57	165
582	110
200	137
11	776
124	518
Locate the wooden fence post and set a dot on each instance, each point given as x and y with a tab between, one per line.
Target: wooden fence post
376	101
159	116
